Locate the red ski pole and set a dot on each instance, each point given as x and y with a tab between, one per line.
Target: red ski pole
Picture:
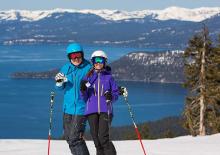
51	113
125	94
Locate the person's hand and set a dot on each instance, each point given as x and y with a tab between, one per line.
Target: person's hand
83	86
60	78
123	91
108	68
108	96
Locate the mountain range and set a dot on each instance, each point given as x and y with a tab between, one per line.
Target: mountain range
168	28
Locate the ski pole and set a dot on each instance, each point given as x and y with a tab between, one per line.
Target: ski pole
52	94
125	94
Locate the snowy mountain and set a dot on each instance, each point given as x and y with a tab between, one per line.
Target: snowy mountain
151	67
183	14
186	145
168	28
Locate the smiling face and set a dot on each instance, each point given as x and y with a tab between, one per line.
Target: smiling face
76	61
75	58
98	66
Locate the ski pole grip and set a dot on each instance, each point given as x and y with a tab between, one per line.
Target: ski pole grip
123	91
59	80
52	96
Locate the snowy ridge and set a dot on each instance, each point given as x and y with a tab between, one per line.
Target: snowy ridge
186	145
167	57
163	67
177	13
196	15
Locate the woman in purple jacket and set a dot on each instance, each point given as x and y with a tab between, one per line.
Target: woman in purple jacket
99	90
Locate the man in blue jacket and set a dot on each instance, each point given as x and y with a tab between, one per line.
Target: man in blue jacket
68	79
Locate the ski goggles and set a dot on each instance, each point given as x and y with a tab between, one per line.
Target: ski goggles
99	60
75	55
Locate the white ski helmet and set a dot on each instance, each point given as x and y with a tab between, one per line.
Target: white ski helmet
99	53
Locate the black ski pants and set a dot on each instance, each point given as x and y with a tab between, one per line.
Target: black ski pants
74	127
99	129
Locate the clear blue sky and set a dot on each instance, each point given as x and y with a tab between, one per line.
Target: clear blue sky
129	5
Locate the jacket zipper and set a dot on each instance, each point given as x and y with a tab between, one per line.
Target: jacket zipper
75	92
99	93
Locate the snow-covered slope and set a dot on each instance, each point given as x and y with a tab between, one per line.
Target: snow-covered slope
177	13
187	145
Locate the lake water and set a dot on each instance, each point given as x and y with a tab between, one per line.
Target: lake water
24	103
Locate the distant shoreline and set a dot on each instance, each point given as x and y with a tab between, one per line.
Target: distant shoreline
120	80
163	67
51	78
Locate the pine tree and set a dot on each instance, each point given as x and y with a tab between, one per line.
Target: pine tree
196	68
213	93
168	134
144	131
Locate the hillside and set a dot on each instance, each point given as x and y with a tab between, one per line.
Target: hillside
161	67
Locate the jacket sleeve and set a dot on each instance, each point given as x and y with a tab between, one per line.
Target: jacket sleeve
114	89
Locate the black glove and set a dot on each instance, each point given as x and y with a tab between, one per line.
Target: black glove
108	96
83	85
121	90
108	68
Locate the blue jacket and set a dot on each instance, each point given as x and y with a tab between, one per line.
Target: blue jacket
73	104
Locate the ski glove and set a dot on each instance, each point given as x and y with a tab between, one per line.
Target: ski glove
122	91
108	68
60	79
108	96
83	86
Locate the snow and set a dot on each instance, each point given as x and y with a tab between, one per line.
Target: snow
185	145
164	58
196	15
177	13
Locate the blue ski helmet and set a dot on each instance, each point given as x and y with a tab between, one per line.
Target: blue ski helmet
74	48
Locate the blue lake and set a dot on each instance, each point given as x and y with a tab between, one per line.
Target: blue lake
24	103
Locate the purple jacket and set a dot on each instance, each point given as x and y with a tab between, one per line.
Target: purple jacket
94	96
